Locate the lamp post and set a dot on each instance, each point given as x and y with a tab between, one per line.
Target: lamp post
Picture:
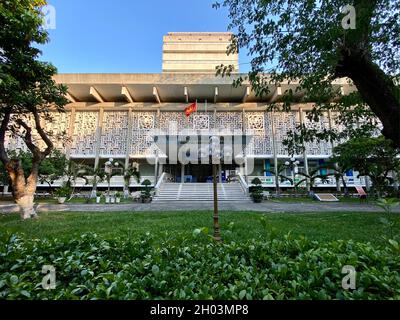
215	154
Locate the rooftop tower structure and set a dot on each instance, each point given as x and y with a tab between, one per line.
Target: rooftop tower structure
197	52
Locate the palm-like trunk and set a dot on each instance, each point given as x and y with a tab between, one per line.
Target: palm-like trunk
23	188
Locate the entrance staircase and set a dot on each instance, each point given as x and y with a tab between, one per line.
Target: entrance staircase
200	192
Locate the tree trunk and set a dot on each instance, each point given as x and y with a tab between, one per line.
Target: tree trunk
23	189
377	90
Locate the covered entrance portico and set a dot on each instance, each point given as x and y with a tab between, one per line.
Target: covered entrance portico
199	173
190	155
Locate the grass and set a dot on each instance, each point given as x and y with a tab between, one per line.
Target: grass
324	226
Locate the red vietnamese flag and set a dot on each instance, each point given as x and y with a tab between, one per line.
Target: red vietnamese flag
190	109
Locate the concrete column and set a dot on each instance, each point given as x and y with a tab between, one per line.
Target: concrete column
215	118
301	116
98	137
182	173
367	183
155	170
275	151
158	119
70	132
128	138
246	169
330	121
330	127
243	121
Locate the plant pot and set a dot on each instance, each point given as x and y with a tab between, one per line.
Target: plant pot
112	199
107	199
61	200
98	199
146	200
117	200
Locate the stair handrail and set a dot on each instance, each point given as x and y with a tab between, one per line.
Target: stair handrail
160	182
243	184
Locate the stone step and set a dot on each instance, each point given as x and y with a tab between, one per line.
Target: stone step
189	192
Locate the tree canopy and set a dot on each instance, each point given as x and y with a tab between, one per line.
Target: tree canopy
28	94
372	157
310	41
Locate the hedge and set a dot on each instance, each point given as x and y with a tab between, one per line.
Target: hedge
196	268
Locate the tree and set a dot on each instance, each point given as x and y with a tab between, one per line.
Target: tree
53	167
313	43
28	95
279	176
73	172
312	176
339	171
372	157
98	175
128	174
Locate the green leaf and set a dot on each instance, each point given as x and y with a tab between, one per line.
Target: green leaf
155	269
196	232
25	293
14	279
242	294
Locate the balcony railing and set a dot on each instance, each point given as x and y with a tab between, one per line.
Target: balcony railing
269	181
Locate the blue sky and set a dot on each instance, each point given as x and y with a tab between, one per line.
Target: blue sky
124	36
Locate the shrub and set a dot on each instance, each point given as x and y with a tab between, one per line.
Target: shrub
145	193
256	182
196	268
256	191
63	191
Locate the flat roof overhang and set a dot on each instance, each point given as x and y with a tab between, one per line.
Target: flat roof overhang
169	88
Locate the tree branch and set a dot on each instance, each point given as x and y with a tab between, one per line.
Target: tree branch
43	134
3	128
28	137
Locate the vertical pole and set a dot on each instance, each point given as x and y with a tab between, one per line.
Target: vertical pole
128	138
98	137
274	145
155	170
182	173
71	131
330	123
301	115
217	234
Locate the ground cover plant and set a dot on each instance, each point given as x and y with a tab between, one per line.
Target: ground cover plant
179	260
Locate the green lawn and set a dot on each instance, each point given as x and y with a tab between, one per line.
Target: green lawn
324	226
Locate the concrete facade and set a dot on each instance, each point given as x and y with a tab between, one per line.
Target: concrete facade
119	115
197	52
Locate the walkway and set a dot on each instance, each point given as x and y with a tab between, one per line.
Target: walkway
267	206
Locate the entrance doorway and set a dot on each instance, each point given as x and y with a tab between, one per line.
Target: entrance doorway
194	173
200	172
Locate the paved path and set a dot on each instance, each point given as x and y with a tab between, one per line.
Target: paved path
267	206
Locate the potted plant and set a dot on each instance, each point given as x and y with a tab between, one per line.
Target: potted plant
145	195
118	197
63	193
107	196
98	196
256	193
